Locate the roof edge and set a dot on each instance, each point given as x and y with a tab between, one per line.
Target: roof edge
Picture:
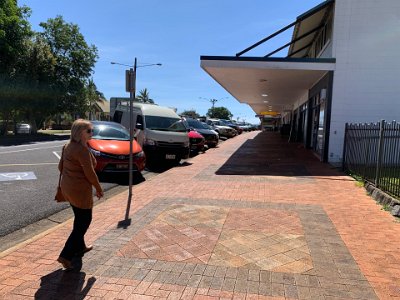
313	10
266	59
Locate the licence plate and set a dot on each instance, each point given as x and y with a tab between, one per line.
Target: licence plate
122	166
170	156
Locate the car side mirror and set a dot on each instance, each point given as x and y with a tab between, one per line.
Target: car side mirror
139	126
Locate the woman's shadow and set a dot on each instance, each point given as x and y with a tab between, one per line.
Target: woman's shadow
62	284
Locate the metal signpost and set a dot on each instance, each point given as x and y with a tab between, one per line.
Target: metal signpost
131	87
130	82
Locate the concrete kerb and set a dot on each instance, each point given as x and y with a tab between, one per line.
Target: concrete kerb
26	139
383	198
34	231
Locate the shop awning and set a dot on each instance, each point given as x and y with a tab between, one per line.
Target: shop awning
266	84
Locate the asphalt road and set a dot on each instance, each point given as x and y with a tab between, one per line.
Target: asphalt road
28	180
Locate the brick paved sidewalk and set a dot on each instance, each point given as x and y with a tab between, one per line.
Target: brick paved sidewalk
255	218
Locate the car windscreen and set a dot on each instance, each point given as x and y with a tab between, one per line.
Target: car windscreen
195	124
165	124
106	132
225	123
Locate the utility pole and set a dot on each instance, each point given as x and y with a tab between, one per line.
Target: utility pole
213	102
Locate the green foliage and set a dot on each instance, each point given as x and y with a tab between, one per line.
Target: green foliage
45	73
14	31
144	96
219	113
386	207
75	62
91	95
191	113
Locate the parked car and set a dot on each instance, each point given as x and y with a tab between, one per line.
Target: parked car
196	141
159	130
222	130
211	136
245	126
229	123
22	128
110	145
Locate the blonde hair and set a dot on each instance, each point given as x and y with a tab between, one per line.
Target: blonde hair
77	128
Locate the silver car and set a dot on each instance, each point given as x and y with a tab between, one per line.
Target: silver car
22	128
221	129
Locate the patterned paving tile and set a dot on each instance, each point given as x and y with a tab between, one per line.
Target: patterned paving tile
264	239
287	249
180	233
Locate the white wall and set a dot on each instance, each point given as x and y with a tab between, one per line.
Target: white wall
366	84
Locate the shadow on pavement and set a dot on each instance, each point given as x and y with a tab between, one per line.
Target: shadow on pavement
269	154
121	178
64	285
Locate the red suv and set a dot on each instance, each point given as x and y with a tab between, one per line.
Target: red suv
110	145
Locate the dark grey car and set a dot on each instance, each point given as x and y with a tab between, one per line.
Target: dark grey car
210	136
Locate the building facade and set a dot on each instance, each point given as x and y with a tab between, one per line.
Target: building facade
341	67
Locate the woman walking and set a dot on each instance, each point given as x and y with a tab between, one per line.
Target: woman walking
78	177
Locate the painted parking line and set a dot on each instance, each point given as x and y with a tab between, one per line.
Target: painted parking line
18	165
17	176
30	149
56	154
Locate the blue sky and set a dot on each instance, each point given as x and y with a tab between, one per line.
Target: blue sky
174	33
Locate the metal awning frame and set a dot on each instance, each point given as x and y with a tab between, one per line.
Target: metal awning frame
299	19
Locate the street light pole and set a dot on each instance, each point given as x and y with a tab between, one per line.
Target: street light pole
132	92
131	87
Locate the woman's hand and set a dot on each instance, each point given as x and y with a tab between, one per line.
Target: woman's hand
99	194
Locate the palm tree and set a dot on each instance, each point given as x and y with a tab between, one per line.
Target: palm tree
144	96
92	97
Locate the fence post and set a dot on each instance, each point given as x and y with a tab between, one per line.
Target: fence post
344	147
380	150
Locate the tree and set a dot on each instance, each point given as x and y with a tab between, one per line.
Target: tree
37	89
144	96
92	96
75	62
190	113
219	113
14	31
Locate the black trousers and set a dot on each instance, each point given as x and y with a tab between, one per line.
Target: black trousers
75	242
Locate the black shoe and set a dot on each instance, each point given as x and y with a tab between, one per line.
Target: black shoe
65	263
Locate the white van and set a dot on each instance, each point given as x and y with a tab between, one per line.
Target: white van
159	130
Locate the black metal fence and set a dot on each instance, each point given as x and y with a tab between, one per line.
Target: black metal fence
372	151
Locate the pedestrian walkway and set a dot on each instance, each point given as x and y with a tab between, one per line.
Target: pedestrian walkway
255	218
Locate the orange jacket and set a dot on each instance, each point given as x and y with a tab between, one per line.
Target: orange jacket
78	176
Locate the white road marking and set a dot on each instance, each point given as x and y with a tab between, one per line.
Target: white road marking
38	164
31	149
56	154
17	176
35	143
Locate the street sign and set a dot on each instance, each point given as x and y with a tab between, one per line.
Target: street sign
12	176
129	81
